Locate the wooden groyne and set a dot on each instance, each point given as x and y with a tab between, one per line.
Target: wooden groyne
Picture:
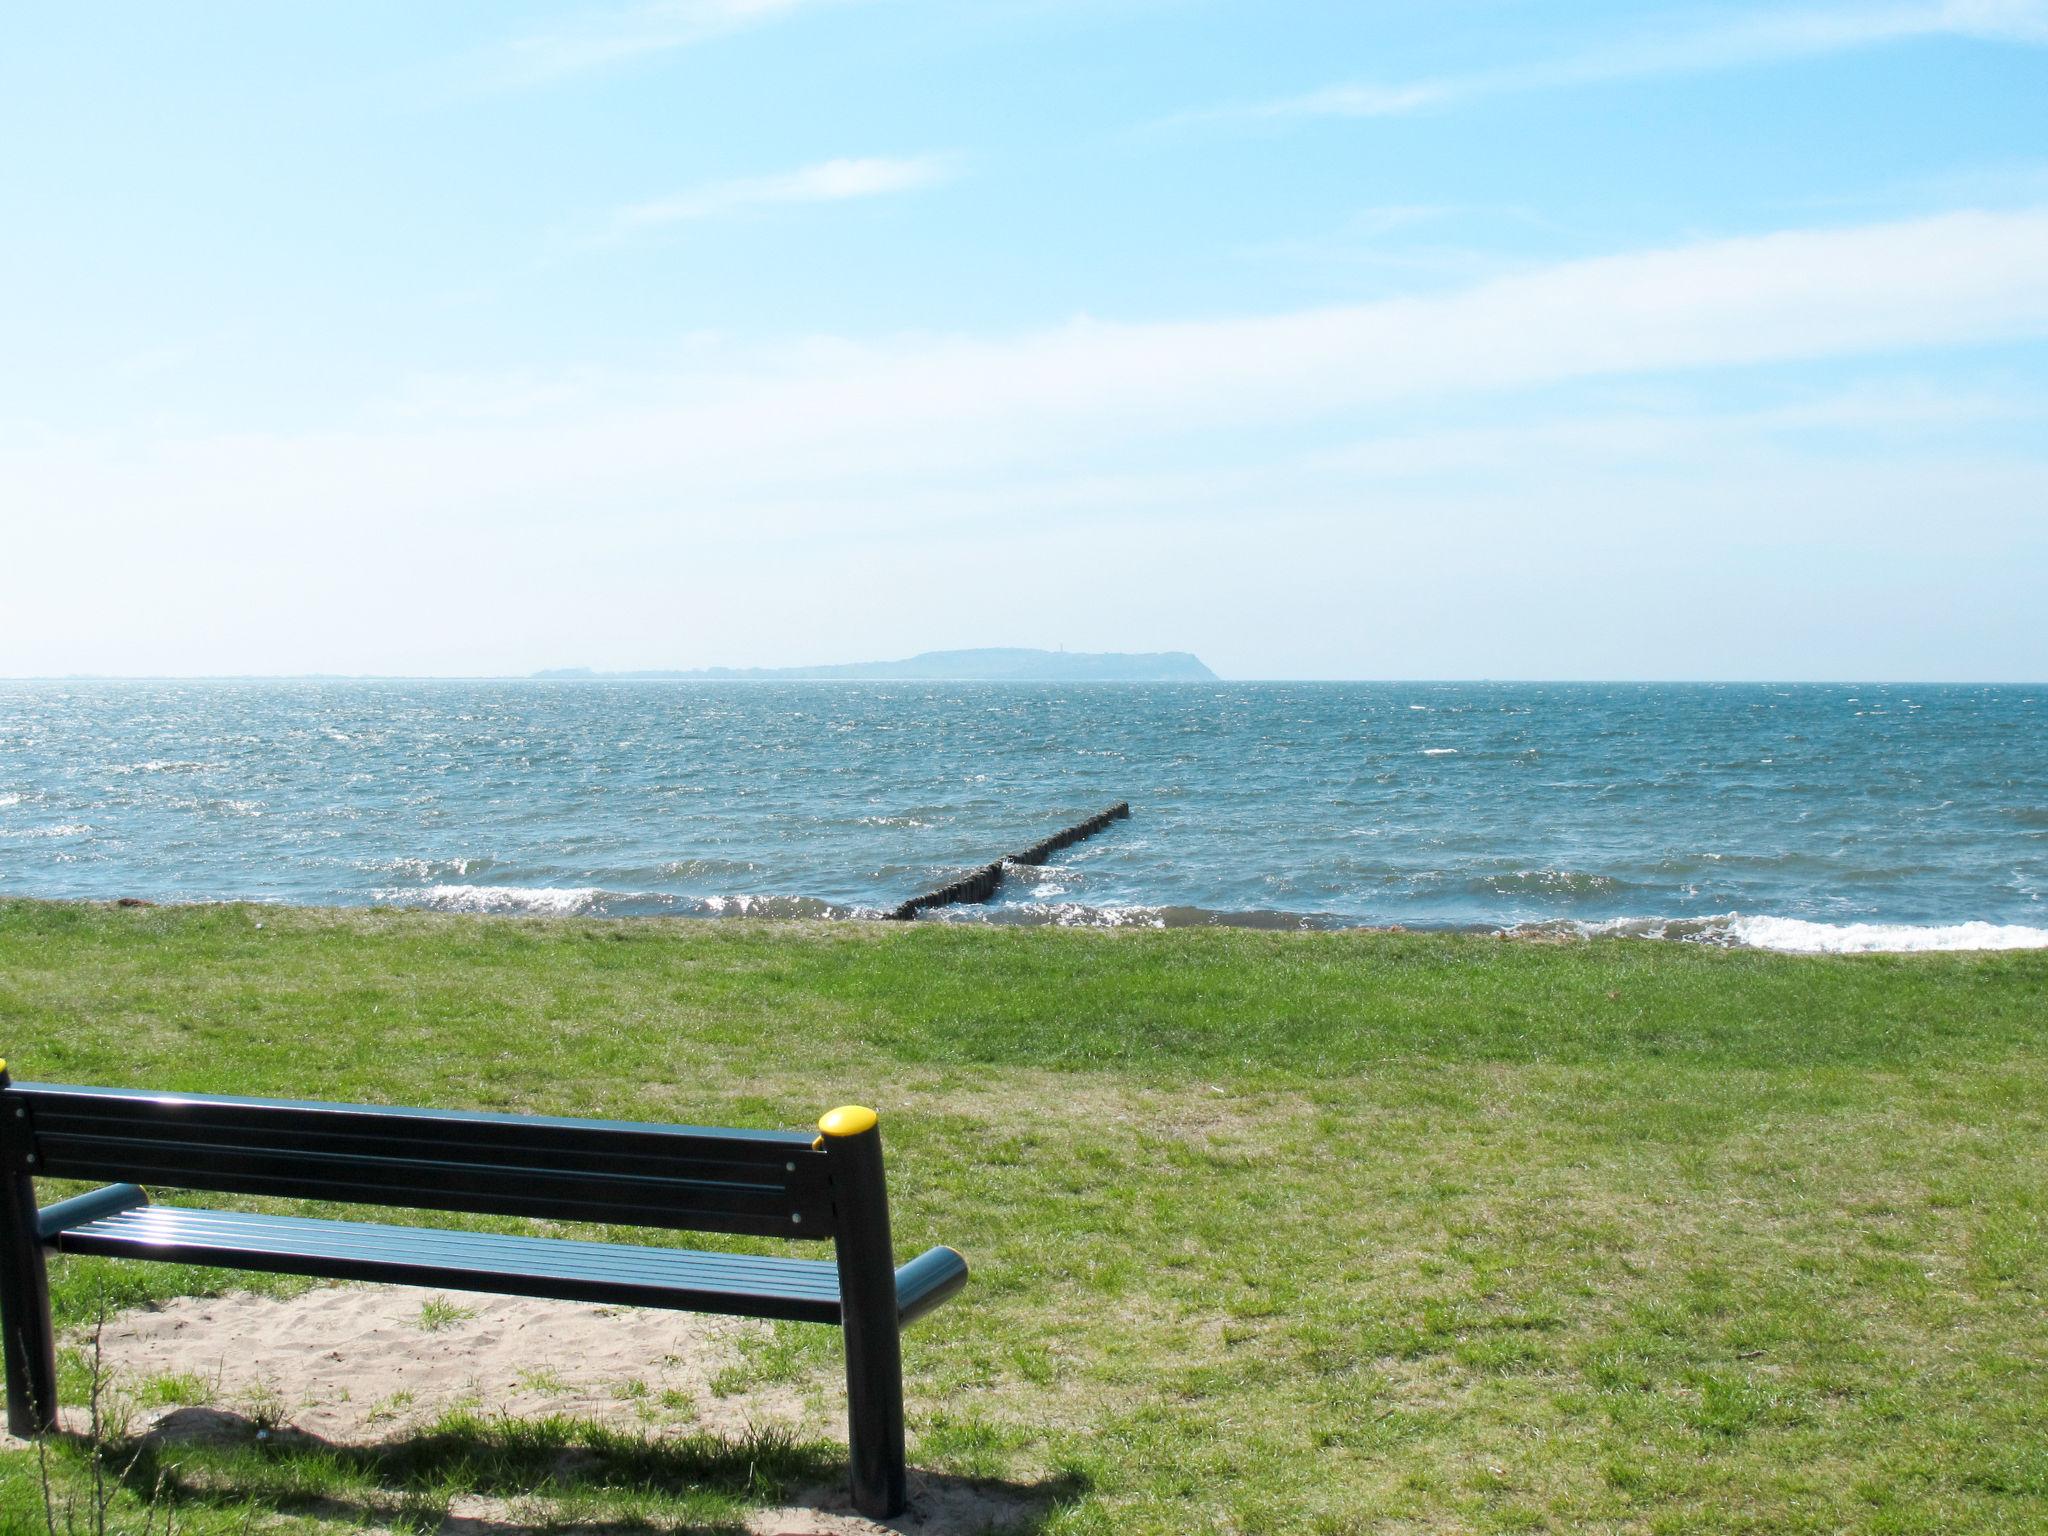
978	885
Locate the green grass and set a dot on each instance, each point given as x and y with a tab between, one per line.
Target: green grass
438	1313
1271	1232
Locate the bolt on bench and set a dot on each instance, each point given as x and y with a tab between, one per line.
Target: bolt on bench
684	1177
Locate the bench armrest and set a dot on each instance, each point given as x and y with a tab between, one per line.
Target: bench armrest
926	1281
91	1206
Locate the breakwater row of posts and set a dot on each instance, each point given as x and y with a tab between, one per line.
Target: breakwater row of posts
980	884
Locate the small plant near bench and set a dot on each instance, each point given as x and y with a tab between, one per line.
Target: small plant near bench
438	1313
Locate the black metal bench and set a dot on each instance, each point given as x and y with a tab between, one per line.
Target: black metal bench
692	1178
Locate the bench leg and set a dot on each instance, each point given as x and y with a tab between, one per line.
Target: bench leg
874	1415
30	1345
874	1344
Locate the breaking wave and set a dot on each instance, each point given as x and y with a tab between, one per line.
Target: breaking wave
539	900
596	901
1799	936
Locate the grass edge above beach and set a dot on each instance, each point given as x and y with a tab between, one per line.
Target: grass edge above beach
1271	1231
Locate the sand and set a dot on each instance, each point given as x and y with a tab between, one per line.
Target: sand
361	1364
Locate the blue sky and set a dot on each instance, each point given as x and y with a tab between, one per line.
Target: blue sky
1476	339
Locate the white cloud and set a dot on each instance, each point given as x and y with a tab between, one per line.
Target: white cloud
802	491
1093	391
829	181
1759	37
594	39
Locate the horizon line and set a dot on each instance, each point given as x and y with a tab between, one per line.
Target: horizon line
684	676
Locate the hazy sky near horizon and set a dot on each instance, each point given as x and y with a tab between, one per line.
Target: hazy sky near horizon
1323	340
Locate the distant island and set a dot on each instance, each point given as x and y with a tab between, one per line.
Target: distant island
996	665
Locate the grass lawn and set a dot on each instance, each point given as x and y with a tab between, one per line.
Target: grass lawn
1271	1232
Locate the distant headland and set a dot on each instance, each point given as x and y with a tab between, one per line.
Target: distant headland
993	665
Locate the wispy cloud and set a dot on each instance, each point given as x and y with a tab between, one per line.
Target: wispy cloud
593	39
829	181
835	411
1756	37
897	467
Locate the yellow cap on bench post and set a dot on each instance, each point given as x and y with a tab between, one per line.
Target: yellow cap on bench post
847	1120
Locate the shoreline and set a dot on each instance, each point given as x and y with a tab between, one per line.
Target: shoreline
1724	931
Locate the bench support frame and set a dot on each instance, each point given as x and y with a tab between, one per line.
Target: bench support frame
871	1322
30	1344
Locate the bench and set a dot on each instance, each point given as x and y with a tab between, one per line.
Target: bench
618	1173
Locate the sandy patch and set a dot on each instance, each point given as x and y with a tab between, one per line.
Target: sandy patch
360	1364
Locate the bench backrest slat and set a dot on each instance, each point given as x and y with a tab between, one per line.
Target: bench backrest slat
685	1177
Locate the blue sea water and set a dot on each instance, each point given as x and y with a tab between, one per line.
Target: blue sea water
1809	816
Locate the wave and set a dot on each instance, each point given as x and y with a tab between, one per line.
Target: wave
1057	914
1076	914
433	870
597	901
772	906
537	900
1800	936
1545	882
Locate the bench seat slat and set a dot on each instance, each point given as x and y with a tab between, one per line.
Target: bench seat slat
681	1160
384	1121
800	1290
62	1146
506	1200
161	1160
369	1240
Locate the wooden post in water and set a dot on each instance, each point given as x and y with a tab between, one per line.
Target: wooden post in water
980	885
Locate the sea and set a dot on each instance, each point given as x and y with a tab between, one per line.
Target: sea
1832	817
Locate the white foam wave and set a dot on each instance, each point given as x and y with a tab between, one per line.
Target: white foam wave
1439	751
1060	914
1799	936
729	906
421	869
544	900
770	906
68	829
11	797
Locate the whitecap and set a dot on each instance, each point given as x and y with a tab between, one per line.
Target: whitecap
1801	936
1061	914
1439	751
419	869
1798	936
546	900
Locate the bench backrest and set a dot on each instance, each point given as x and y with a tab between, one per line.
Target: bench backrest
694	1178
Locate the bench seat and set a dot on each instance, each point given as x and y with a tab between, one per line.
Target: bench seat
118	1223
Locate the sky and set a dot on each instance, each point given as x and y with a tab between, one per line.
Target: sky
1343	340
